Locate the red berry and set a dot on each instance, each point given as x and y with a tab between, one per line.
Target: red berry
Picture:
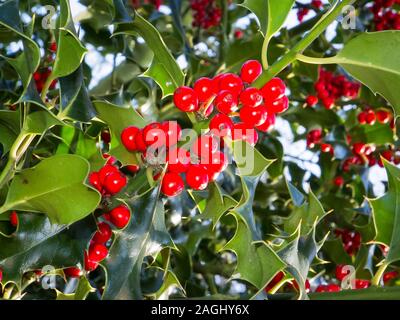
338	181
73	272
387	154
242	131
251	97
120	216
89	264
328	288
328	103
53	47
178	160
172	184
273	90
268	124
205	89
362	118
14	219
311	101
359	148
221	125
275	280
370	117
106	136
185	99
133	168
277	106
204	146
105	171
389	276
216	165
154	135
173	132
103	234
97	252
128	138
94	180
383	116
140	142
197	177
232	83
326	147
250	71
226	102
1	275
341	272
362	284
114	182
253	116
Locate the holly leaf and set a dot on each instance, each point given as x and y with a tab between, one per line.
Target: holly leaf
37	243
164	69
9	128
144	236
82	291
257	263
386	214
118	118
54	187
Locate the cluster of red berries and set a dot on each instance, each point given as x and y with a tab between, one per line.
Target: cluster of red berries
40	77
331	87
206	13
385	16
98	248
315	5
138	3
351	240
233	96
109	180
314	137
369	116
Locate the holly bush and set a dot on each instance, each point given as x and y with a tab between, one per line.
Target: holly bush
199	149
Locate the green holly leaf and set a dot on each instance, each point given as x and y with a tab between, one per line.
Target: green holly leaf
9	128
144	236
118	118
82	291
386	214
164	68
306	213
38	243
257	263
378	133
54	187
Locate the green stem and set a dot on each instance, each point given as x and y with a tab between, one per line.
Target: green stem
264	54
314	33
18	149
376	280
313	60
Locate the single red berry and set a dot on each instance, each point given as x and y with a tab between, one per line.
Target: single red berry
73	272
333	288
371	117
105	171
273	90
327	148
251	97
197	177
221	125
250	71
238	34
154	135
204	146
362	117
307	285
216	165
114	182
106	136
103	234
128	138
133	168
110	159
359	148
328	103
253	116
1	275
387	154
173	132
226	102
389	276
242	131
53	47
172	184
311	101
383	116
89	264
140	142
97	252
338	181
14	219
205	89
120	216
178	160
94	181
268	124
341	272
277	106
185	99
232	83
362	284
